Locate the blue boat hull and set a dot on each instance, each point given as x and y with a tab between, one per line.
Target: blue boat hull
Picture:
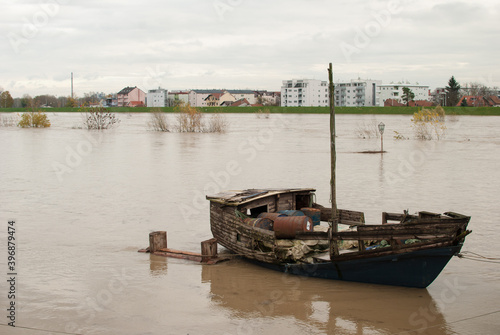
412	269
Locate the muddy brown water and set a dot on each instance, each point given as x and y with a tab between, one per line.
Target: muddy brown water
84	202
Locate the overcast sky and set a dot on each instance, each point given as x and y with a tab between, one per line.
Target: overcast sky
238	44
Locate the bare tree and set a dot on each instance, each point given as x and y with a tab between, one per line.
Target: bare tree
477	89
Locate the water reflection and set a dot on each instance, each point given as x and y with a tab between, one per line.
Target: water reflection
249	292
158	265
381	169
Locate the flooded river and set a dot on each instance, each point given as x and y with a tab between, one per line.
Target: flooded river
84	202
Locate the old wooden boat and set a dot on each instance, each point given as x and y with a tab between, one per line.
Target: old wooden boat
404	250
265	226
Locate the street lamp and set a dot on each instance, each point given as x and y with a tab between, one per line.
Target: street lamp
381	127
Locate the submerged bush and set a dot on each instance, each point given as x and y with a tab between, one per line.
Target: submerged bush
158	121
399	136
190	119
34	119
98	118
217	123
429	123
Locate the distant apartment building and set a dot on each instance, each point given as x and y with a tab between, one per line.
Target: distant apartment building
304	92
157	98
357	93
131	96
395	92
176	97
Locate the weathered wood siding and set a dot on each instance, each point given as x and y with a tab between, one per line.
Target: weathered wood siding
286	201
232	233
348	216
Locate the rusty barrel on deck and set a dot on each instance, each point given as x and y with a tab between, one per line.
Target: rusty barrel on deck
262	223
291	212
313	213
287	227
272	216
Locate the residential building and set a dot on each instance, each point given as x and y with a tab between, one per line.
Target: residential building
493	100
176	97
479	101
304	92
438	96
268	98
219	99
395	91
131	96
357	93
197	98
248	95
212	100
157	98
110	100
240	103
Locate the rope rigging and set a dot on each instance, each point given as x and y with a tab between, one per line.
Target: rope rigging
477	257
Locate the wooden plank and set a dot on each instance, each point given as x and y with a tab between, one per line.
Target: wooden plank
399	232
180	252
351	223
388	236
393	250
344	215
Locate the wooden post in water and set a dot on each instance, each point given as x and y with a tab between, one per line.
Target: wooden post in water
157	241
334	223
208	250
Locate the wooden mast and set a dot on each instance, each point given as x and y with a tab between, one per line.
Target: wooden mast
334	224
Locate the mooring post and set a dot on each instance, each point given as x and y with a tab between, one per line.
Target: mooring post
208	250
334	227
157	241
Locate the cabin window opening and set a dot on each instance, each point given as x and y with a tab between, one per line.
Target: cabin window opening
303	200
254	212
238	237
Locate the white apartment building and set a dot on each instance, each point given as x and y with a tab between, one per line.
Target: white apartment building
395	91
357	93
156	98
304	93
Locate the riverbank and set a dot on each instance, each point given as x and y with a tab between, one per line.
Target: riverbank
288	110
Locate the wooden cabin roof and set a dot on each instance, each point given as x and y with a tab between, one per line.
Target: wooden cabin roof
235	198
